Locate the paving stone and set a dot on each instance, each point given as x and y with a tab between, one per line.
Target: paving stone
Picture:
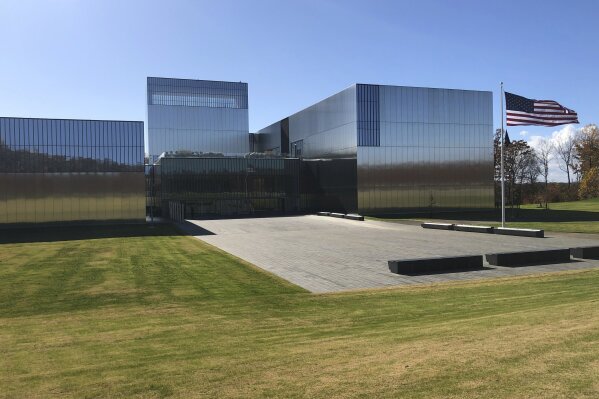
325	254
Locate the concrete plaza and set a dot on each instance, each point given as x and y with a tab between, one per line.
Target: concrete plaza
324	254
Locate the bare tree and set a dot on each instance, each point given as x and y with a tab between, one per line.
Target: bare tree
544	153
519	160
565	151
532	168
526	169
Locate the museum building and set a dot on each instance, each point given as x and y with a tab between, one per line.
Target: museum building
370	149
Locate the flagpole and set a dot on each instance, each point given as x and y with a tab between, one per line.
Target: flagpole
502	176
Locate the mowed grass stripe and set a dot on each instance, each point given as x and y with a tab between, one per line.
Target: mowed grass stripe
156	314
76	275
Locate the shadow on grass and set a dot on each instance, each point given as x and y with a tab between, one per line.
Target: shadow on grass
192	229
53	233
512	215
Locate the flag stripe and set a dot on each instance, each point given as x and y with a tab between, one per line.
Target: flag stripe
551	115
531	119
544	112
523	119
543	106
528	123
543	123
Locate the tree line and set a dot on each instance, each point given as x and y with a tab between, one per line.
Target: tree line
526	169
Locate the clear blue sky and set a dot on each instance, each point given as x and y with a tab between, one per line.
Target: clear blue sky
90	59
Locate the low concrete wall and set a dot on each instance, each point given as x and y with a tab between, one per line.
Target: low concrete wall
350	216
437	226
353	216
585	252
519	232
473	229
547	256
440	264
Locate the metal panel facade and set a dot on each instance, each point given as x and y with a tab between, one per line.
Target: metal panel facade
269	139
54	170
197	116
408	148
228	185
324	136
435	151
326	129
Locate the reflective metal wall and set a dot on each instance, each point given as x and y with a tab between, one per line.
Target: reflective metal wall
326	129
197	116
70	170
227	185
389	149
268	140
324	136
426	148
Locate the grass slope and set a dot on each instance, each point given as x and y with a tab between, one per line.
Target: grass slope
153	314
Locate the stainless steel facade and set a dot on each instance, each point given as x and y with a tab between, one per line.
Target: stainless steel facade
226	185
412	149
56	170
326	129
435	150
197	116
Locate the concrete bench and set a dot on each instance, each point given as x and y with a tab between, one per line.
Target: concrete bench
337	215
439	264
353	216
585	252
323	213
547	256
473	229
437	226
519	232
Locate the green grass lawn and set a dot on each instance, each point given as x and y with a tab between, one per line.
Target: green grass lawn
566	217
152	314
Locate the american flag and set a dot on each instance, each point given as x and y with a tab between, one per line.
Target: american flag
524	111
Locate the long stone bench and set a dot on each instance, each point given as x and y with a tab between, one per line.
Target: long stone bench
324	213
511	259
437	226
438	264
585	252
337	215
353	216
473	229
519	232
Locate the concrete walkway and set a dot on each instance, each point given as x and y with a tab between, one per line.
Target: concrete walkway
324	254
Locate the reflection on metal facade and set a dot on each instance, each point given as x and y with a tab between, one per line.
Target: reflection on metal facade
226	185
197	116
324	135
54	170
435	151
326	129
412	149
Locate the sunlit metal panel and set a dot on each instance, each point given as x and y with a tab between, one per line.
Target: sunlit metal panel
70	170
202	116
435	152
